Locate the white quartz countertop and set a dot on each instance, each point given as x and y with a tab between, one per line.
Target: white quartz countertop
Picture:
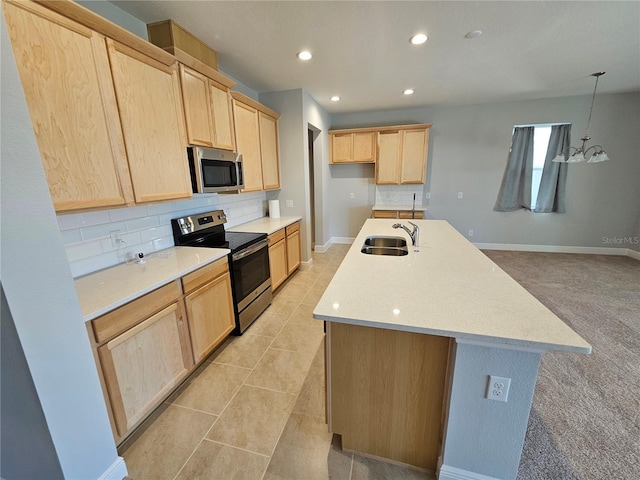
447	288
107	289
266	225
418	208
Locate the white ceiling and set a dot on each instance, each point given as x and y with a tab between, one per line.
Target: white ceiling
529	49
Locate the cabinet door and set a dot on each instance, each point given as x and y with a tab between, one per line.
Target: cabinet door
414	156
269	151
388	164
142	365
364	147
65	75
148	94
278	263
224	135
197	113
341	147
293	252
210	316
248	144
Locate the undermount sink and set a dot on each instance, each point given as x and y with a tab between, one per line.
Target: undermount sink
391	251
394	242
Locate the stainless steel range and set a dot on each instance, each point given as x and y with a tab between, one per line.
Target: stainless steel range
248	261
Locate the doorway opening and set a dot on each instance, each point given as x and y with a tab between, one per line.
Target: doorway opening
312	194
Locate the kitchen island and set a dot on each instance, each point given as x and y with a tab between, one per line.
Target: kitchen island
411	343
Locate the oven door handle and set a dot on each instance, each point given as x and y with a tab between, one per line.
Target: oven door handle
250	250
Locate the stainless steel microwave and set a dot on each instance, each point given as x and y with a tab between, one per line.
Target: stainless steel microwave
214	170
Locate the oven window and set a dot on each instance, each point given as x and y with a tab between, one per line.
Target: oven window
250	272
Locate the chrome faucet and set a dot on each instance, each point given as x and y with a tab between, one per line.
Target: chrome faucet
415	235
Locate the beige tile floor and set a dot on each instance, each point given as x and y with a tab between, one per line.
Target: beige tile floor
255	409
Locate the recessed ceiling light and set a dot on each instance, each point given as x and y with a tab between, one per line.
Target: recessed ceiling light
408	91
418	39
335	98
305	55
473	34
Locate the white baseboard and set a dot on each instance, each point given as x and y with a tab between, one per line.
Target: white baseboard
452	473
117	470
633	254
306	265
322	248
332	240
343	240
554	249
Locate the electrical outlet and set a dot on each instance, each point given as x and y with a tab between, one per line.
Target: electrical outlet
288	203
471	233
427	195
498	388
352	196
460	194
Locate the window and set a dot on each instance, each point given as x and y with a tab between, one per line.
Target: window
531	180
541	134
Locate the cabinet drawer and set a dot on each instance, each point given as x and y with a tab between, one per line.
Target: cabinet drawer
193	280
418	215
385	214
123	318
276	236
293	228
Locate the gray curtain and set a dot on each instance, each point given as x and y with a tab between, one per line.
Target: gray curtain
515	191
554	175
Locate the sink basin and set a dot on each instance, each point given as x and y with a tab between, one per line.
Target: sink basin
385	242
391	251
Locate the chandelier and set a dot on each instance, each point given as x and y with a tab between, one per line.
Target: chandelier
580	153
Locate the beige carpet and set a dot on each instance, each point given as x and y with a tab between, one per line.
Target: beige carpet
585	420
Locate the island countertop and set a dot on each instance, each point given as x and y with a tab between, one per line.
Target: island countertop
107	289
447	288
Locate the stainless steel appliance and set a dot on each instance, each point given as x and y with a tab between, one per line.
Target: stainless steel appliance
214	170
248	261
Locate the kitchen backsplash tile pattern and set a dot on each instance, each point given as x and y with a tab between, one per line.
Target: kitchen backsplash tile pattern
146	228
399	194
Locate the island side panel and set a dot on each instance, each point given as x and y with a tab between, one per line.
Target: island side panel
485	436
386	392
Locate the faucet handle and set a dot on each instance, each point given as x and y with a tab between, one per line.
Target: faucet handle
414	225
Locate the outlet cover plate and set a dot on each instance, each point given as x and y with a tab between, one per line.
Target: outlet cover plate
498	388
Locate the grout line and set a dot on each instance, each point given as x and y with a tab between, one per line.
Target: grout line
237	448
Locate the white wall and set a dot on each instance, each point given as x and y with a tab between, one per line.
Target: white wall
486	436
41	296
468	149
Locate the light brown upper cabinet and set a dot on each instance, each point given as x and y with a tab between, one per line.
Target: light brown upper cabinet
257	140
107	115
269	151
352	146
402	155
148	94
64	70
207	109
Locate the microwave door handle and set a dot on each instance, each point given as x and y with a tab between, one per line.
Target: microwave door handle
251	250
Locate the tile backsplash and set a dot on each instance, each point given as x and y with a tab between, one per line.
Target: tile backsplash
146	228
399	194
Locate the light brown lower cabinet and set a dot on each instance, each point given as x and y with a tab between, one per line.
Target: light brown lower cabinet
386	391
278	258
293	247
147	347
143	363
284	253
418	215
209	304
